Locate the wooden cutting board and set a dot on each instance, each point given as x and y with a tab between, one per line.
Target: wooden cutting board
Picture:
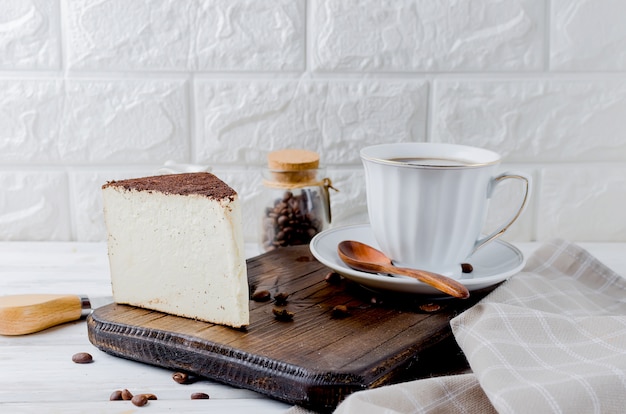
314	360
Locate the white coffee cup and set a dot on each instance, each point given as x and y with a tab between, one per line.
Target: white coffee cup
427	202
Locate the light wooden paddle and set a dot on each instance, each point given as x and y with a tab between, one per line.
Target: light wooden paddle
365	258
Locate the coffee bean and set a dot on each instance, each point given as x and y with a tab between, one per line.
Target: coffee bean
199	396
139	400
126	395
467	268
430	307
116	395
281	298
261	296
340	311
82	358
333	278
184	378
181	377
283	315
280	237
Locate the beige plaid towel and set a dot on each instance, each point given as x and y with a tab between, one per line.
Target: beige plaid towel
552	339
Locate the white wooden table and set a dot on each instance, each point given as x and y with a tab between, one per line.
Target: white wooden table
37	374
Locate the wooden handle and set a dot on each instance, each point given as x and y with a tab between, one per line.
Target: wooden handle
439	282
24	314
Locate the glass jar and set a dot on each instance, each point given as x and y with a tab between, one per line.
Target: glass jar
296	200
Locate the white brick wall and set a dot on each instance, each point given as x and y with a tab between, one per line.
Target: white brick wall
94	90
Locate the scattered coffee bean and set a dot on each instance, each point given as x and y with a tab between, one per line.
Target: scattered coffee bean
126	395
183	378
139	400
82	358
340	311
333	278
283	314
281	298
293	219
430	307
116	395
261	296
199	396
467	268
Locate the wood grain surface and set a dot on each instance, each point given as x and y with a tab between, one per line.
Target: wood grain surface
313	360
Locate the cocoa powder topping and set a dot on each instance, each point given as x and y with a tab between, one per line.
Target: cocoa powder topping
201	183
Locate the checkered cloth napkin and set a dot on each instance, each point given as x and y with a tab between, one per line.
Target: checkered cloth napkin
552	339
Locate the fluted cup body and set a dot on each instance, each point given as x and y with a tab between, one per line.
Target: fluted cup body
427	203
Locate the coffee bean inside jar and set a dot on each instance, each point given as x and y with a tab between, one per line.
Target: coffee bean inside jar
297	204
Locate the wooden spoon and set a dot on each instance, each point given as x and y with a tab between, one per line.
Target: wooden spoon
365	258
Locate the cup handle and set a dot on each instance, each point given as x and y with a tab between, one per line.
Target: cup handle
498	232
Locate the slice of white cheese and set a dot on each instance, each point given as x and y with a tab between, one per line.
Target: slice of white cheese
175	245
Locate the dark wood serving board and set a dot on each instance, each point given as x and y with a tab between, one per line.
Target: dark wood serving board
316	359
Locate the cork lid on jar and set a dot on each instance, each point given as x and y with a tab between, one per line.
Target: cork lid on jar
293	165
293	160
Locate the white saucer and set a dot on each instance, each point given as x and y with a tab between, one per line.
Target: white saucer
493	263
